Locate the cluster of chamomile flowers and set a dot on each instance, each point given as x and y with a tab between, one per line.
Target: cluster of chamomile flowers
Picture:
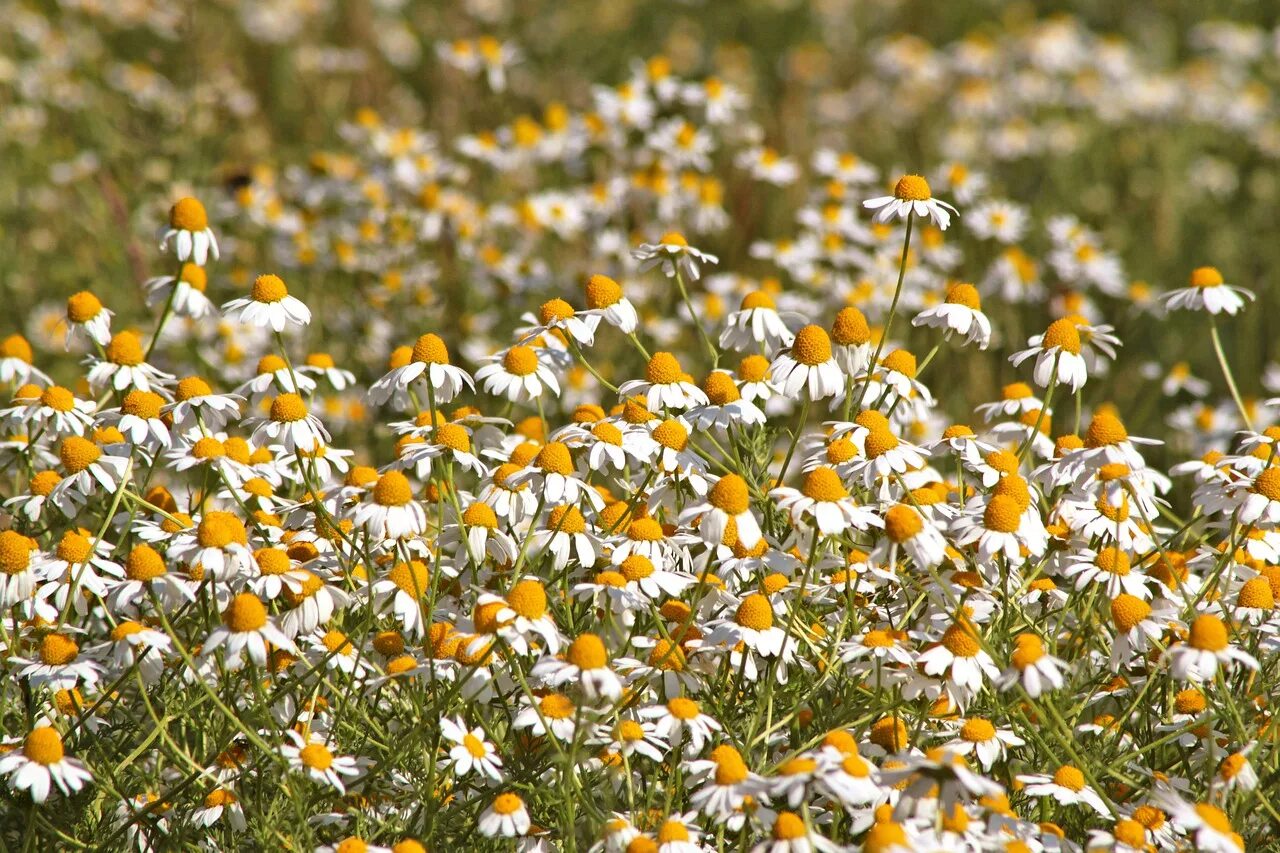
768	604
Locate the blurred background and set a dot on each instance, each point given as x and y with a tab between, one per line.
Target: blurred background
1156	124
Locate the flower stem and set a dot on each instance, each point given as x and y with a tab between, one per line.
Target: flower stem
1226	371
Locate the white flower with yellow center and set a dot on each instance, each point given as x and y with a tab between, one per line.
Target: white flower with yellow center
674	254
16	359
505	817
518	374
426	362
824	500
245	626
17	569
1207	291
87	319
554	715
41	763
728	499
54	410
274	375
1207	647
911	195
124	366
678	717
757	324
960	313
907	530
189	232
312	756
269	305
184	293
87	469
1057	354
961	658
977	736
406	586
585	664
312	603
1032	667
1002	525
472	751
390	511
665	386
195	405
808	368
450	443
290	425
606	300
1067	786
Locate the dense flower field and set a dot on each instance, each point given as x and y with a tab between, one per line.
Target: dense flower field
639	465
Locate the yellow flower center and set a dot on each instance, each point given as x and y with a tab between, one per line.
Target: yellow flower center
901	361
83	307
1267	484
1064	334
244	613
125	349
557	706
316	756
602	292
188	214
480	514
288	408
671	434
520	361
608	433
977	730
587	652
269	288
788	826
960	640
912	188
1128	610
880	441
553	310
144	564
823	484
430	349
194	276
142	404
1206	277
554	458
77	453
755	612
58	398
663	369
674	238
411	578
42	483
1256	593
721	389
15	552
454	437
392	489
966	295
220	529
58	649
1069	777
1113	560
1028	649
1208	633
850	328
757	299
1002	515
902	522
812	346
566	519
753	368
683	709
636	567
1105	429
74	547
43	746
730	494
528	598
506	804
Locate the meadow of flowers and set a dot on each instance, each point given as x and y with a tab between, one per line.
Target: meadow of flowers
419	431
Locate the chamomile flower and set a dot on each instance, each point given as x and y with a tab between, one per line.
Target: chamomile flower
808	369
290	425
428	364
1207	291
1207	647
674	254
41	763
505	817
757	324
246	626
189	232
911	195
184	293
824	501
960	313
87	319
518	374
1057	354
605	298
312	756
472	751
